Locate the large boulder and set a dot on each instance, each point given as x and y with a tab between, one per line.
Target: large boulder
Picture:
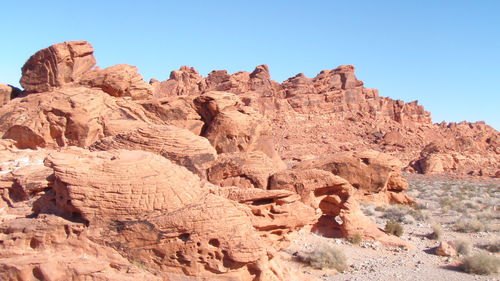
177	110
99	186
176	144
212	238
334	198
120	80
232	127
56	66
68	116
246	170
275	213
372	173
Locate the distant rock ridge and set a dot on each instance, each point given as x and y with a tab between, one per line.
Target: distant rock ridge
332	91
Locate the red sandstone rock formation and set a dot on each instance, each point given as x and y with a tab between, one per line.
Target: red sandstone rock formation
120	80
56	66
51	248
70	116
178	145
8	92
129	205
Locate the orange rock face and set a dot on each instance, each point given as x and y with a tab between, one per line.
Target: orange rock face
70	116
83	178
56	66
202	178
178	145
335	198
120	80
8	92
375	175
51	248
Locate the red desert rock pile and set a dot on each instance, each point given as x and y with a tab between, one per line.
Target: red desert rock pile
106	177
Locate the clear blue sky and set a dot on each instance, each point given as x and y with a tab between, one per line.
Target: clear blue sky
446	54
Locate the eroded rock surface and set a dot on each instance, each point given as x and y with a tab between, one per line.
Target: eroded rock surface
120	80
99	186
56	66
70	116
375	175
178	145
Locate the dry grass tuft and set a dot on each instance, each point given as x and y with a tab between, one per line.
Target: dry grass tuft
356	239
437	232
470	225
394	228
326	257
463	247
482	263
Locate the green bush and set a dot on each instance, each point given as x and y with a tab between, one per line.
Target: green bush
394	228
482	263
326	257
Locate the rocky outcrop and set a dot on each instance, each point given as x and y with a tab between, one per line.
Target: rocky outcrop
275	213
375	175
187	81
120	80
99	186
178	145
231	127
246	170
462	154
71	116
178	111
51	248
170	221
211	238
56	66
334	198
8	92
331	91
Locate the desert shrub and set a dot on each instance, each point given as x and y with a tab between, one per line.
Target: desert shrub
326	257
437	232
418	214
482	263
469	225
395	213
368	210
394	228
356	239
463	247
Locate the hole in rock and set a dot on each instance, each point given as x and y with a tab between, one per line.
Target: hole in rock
263	201
327	227
34	243
37	273
214	242
184	237
181	259
365	160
